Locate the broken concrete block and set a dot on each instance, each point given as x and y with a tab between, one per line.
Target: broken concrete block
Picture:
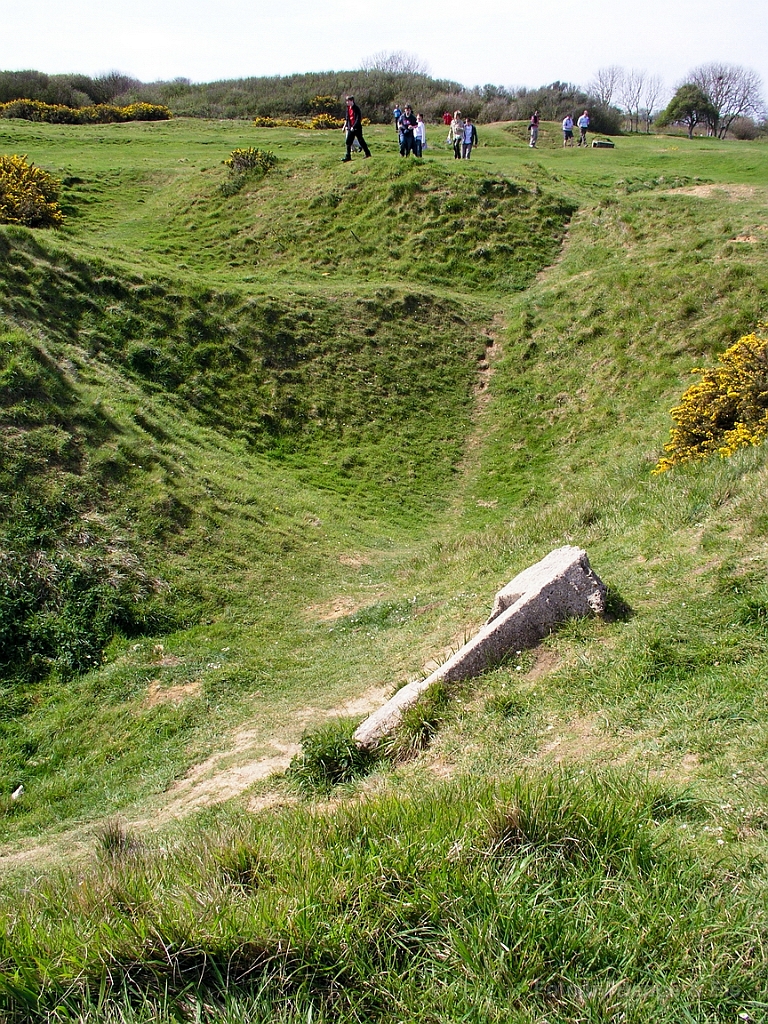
561	586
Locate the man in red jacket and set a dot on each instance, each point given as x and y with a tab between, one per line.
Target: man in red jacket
353	127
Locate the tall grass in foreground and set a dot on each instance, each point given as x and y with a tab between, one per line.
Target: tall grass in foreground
569	897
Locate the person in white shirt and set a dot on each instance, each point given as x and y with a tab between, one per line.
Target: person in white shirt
420	135
583	124
567	130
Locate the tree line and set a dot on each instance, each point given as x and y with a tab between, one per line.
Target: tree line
726	98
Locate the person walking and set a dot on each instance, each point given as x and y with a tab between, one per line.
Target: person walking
533	129
407	126
567	130
469	139
396	114
583	124
353	126
456	134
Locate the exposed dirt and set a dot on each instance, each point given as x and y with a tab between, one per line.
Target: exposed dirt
578	740
355	561
706	191
228	773
338	607
234	769
158	694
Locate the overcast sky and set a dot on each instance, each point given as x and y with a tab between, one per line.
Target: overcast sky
504	42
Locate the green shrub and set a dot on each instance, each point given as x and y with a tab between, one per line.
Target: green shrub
724	411
244	165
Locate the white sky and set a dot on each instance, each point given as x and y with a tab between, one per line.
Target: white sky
504	42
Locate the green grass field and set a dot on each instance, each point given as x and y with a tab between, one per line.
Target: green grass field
268	451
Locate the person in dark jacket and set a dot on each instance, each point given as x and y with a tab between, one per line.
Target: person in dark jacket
407	124
469	138
353	127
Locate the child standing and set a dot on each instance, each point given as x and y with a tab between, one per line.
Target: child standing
420	136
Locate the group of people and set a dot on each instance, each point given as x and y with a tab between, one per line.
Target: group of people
582	124
462	134
411	131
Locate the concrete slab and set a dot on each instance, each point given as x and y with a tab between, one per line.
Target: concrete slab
561	586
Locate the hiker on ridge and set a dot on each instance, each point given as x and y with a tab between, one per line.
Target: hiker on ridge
353	126
533	129
420	135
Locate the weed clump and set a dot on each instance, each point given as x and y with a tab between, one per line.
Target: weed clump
419	724
727	409
329	757
28	195
115	843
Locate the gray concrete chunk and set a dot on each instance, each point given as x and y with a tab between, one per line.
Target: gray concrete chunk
561	586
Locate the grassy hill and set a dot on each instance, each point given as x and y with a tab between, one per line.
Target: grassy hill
267	451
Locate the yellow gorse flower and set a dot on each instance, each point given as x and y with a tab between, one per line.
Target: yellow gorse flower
28	194
727	409
100	113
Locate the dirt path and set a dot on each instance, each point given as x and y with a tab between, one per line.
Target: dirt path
225	775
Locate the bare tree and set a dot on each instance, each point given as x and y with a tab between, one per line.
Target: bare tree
654	87
606	84
396	62
733	91
632	86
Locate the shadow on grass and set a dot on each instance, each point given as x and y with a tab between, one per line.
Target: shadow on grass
616	608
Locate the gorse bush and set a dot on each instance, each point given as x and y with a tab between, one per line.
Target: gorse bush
279	122
245	164
325	121
100	113
325	104
727	409
241	161
28	194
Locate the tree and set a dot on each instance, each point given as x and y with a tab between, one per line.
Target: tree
632	85
606	84
653	89
689	106
733	91
396	62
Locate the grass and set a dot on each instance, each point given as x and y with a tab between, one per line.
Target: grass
308	446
